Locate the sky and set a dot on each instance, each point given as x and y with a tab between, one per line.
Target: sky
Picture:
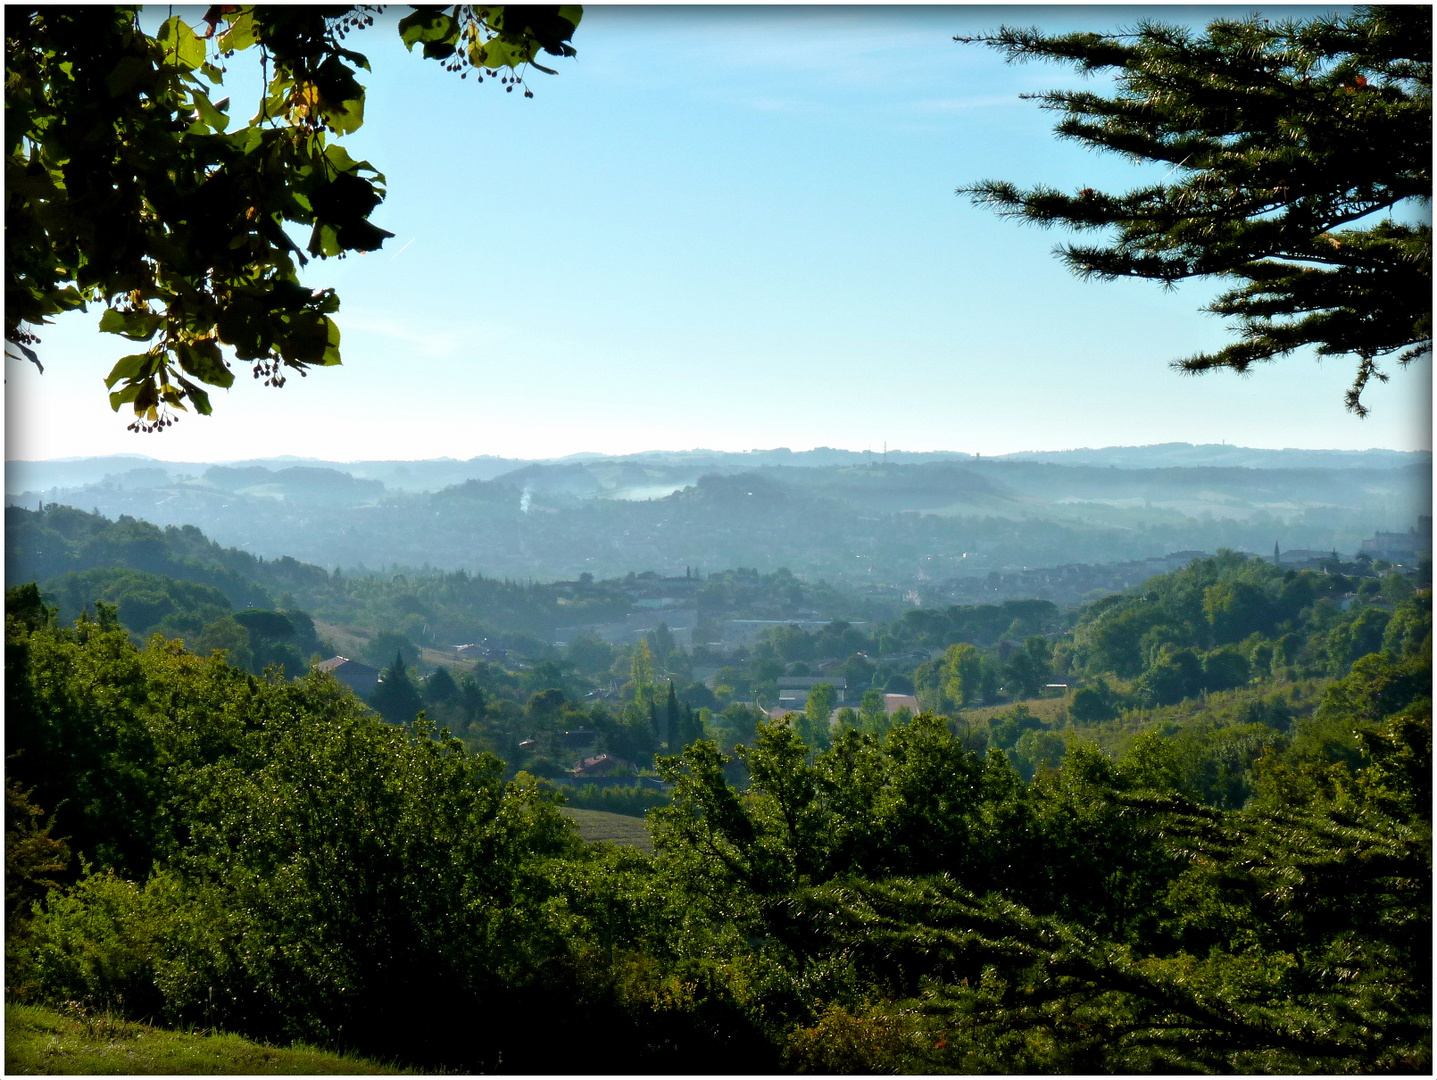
731	229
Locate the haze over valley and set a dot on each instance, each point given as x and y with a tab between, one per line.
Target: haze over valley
925	527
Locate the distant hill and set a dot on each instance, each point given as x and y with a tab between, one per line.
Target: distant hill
1221	454
41	477
880	526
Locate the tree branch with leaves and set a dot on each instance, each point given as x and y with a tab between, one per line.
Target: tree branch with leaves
128	182
1295	151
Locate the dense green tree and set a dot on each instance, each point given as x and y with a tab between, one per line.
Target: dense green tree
545	675
673	730
272	637
227	637
1236	609
873	713
1036	750
440	687
1350	640
813	726
148	602
471	697
736	723
129	183
1291	149
396	698
793	643
383	645
1409	631
963	674
590	655
1225	668
33	858
1026	670
1176	674
269	857
641	674
1092	704
1010	725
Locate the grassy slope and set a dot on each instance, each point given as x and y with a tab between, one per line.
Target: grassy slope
1049	710
40	1041
597	825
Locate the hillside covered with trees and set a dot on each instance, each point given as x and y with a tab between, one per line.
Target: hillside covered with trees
939	526
1136	835
190	842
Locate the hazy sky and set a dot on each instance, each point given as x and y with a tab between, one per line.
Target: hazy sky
728	228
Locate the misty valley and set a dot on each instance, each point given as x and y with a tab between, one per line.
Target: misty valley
732	762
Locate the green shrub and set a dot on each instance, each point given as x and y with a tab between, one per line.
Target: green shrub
633	801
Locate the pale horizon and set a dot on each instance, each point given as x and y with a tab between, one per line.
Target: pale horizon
879	452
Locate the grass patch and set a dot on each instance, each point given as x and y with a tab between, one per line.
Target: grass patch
1050	710
47	1042
600	826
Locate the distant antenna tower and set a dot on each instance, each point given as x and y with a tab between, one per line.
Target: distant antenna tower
885	451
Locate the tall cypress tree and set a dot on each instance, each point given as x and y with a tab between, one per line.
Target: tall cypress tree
395	698
674	730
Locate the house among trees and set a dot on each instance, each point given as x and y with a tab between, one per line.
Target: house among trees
680	622
893	702
482	650
604	765
793	690
361	678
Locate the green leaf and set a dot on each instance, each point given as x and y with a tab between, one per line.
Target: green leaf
427	26
130	74
339	157
243	326
125	394
127	368
208	113
498	53
181	43
324	240
202	360
240	34
331	348
347	117
136	325
307	339
249	139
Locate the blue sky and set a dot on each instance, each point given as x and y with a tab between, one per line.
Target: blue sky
729	228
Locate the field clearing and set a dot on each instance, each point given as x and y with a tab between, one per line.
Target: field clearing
346	641
597	826
44	1042
1049	710
352	643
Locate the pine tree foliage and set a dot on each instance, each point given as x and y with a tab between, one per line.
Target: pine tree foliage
1283	143
396	698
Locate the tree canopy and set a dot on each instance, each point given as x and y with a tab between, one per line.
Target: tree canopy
129	183
1293	147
